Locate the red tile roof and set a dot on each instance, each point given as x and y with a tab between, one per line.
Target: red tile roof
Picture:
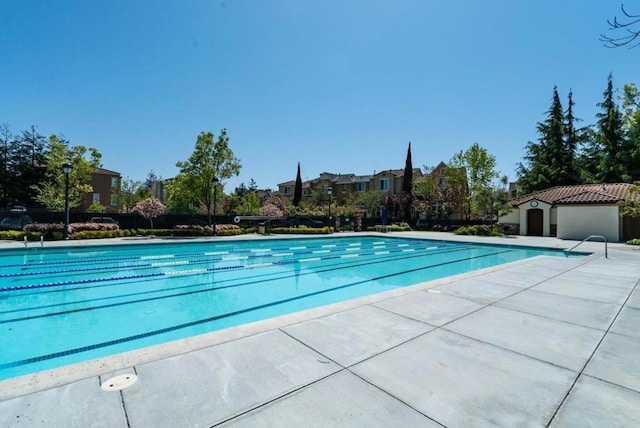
581	194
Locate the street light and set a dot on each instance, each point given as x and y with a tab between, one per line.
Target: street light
215	180
66	168
329	192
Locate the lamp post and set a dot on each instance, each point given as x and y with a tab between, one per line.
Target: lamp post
66	168
329	192
215	180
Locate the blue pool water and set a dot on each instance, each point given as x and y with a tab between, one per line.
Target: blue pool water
62	306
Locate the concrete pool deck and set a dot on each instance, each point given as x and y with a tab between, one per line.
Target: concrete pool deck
540	342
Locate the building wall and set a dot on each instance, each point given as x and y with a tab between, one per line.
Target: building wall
579	221
512	217
546	216
104	188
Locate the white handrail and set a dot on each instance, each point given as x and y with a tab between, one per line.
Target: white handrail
566	252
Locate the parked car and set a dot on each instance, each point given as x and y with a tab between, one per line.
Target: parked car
16	222
108	220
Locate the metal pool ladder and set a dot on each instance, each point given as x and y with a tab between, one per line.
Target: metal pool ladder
566	252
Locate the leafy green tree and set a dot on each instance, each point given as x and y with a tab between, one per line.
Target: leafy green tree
631	127
210	159
425	191
51	191
479	167
631	205
178	199
369	200
96	207
249	204
457	190
297	191
130	193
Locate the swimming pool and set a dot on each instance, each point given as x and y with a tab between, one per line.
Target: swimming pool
66	305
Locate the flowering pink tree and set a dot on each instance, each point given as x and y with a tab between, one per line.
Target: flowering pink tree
149	208
271	210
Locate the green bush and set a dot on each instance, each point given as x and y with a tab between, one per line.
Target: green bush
97	234
301	230
401	227
479	230
18	235
635	241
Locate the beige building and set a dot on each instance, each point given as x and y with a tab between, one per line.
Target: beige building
575	212
344	185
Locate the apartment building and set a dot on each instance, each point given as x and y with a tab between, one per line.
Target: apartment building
344	185
105	185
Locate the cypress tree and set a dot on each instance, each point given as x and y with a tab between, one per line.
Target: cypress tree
297	191
407	179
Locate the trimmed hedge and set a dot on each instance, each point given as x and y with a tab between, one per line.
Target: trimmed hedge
479	230
301	230
402	227
18	235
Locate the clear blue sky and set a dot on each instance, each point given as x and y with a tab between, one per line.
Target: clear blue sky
339	85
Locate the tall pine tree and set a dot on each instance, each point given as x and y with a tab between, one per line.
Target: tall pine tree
573	138
612	158
545	159
297	190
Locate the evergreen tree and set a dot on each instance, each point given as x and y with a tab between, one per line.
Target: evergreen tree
297	191
407	179
26	166
546	159
612	159
573	138
407	186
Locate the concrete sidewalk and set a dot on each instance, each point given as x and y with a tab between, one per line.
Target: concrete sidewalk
542	342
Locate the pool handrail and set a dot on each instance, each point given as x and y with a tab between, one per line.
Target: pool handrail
566	252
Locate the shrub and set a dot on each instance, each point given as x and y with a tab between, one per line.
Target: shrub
301	230
635	241
401	227
479	230
18	235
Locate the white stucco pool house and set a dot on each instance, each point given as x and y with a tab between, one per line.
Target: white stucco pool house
574	212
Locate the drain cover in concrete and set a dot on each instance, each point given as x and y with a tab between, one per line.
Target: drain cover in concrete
119	382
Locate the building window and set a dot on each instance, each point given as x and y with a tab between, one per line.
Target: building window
114	200
114	182
362	187
384	184
287	190
304	192
96	198
344	188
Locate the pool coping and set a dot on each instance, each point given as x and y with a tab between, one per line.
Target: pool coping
39	381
